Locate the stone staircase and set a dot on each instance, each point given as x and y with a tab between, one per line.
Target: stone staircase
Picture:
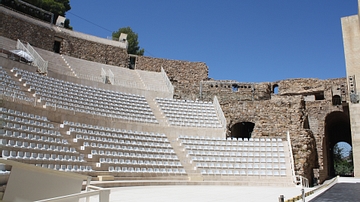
55	62
156	110
193	175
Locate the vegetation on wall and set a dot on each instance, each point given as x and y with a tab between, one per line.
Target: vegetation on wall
57	7
132	38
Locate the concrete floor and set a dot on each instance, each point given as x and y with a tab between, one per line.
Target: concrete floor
209	193
199	193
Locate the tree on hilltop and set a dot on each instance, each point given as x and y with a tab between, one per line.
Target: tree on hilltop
57	7
132	38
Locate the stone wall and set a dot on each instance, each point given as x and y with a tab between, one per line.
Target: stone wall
92	51
43	35
300	107
15	26
184	75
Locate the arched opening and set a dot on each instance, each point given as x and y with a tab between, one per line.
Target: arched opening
275	89
337	129
342	159
242	130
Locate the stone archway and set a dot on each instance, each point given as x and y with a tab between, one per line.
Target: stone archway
242	130
337	129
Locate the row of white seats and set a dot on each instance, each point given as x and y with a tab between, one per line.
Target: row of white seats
40	156
54	98
29	129
106	113
146	170
202	117
86	99
244	166
229	139
105	131
218	172
127	142
26	121
218	153
204	144
17	96
144	156
206	150
44	135
187	123
36	146
189	102
117	139
194	112
135	112
131	115
24	115
237	160
68	168
29	136
124	148
139	162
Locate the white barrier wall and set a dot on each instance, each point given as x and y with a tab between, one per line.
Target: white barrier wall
30	183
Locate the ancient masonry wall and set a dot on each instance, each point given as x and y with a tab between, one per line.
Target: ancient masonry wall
43	35
185	76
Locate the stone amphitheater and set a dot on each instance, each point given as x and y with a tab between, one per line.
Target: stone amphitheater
127	120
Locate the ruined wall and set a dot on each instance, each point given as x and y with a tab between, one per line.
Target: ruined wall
14	26
43	35
92	51
300	107
184	75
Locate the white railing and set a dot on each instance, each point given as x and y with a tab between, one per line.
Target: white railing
21	46
167	81
292	163
111	76
90	77
119	82
38	60
104	195
302	181
103	75
219	112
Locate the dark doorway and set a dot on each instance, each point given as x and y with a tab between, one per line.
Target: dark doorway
337	129
336	100
57	46
132	62
242	130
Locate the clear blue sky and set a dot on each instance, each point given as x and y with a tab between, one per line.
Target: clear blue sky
243	40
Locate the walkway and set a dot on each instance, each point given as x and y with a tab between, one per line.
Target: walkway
200	193
346	190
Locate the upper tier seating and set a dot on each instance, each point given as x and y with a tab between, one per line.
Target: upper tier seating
11	88
87	99
189	113
123	76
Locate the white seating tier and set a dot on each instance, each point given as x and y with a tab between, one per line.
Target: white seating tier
86	99
189	113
